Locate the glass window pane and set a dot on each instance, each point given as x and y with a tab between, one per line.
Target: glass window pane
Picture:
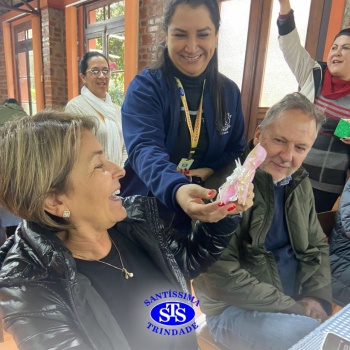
24	63
116	62
95	44
21	36
275	88
98	15
233	38
92	17
116	9
32	82
23	81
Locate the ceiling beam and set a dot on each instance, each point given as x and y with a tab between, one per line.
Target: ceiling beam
5	6
26	2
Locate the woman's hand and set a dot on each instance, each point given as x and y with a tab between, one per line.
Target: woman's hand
284	7
190	198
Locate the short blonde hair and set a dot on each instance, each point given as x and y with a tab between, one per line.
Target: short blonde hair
37	155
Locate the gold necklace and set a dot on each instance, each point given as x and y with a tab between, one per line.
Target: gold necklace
127	274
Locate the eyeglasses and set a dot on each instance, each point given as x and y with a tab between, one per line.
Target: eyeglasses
96	72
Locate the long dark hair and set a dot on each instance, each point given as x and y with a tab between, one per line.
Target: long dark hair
214	78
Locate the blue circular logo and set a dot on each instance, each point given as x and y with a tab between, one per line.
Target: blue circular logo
172	313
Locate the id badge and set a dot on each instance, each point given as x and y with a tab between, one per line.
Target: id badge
184	164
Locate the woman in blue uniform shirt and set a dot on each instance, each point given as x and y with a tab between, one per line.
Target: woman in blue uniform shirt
182	119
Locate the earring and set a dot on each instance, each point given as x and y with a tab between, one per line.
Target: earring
66	214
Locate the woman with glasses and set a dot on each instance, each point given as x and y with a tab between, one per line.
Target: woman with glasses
94	100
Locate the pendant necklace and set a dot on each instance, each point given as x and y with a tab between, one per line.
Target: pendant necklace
127	274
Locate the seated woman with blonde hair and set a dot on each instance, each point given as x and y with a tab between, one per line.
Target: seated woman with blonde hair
85	267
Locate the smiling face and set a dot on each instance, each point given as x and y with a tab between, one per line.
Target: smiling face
191	39
287	141
98	85
92	188
338	61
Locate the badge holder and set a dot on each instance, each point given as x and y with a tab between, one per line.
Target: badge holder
185	164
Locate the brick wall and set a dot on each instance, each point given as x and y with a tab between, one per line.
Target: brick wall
54	57
150	31
3	87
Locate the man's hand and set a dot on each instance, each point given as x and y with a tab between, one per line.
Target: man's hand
313	309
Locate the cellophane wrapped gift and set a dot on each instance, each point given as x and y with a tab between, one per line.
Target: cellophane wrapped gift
237	184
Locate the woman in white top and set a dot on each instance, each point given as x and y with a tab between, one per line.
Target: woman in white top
94	100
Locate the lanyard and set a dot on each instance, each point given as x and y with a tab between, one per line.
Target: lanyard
194	133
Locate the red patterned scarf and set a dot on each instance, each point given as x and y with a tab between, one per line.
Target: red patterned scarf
334	88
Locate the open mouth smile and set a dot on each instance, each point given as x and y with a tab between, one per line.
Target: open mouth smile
194	58
115	195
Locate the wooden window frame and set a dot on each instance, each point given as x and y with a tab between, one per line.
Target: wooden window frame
8	23
20	47
256	51
103	28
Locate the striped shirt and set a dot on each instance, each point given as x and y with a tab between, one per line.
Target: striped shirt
329	159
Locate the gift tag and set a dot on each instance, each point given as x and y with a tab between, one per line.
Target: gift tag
185	164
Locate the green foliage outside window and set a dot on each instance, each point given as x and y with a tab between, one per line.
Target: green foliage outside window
114	51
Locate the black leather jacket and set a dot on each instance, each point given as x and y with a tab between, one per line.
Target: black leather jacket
46	304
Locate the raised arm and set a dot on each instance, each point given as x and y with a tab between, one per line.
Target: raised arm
298	59
284	7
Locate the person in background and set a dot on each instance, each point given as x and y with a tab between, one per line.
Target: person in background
79	268
182	119
272	284
8	222
339	241
327	84
94	100
9	110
